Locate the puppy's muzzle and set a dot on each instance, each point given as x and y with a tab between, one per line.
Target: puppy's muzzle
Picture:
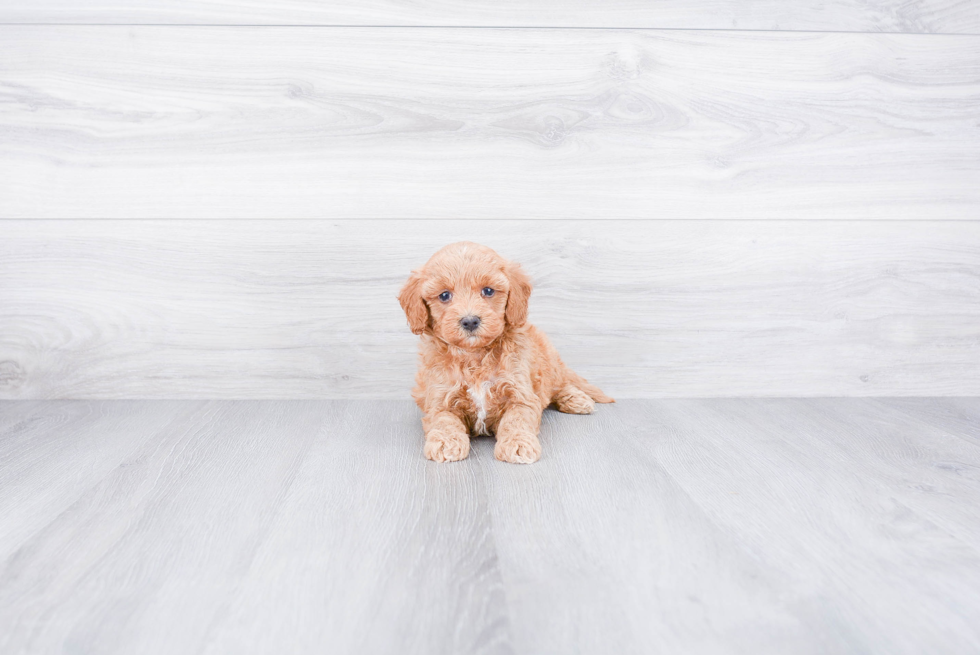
470	323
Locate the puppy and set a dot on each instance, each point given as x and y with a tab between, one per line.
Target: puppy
483	370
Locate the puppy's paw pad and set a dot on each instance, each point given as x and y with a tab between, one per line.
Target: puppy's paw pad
446	449
518	451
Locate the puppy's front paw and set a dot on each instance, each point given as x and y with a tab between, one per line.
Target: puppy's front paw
441	447
525	449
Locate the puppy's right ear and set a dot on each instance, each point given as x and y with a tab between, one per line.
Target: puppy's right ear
411	301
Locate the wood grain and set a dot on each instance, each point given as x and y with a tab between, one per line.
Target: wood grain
900	448
385	552
307	309
204	122
246	526
949	16
958	416
824	496
52	458
131	548
680	526
611	555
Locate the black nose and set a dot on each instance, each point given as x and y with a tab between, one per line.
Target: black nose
470	323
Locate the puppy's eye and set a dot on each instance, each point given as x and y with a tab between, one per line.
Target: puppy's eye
487	292
445	296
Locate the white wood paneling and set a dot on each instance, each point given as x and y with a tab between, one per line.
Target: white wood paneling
775	526
204	122
301	309
936	16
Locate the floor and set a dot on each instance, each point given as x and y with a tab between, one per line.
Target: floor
654	526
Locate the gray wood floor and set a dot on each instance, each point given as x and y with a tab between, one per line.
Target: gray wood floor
673	526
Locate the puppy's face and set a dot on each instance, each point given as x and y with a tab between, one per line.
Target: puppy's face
466	295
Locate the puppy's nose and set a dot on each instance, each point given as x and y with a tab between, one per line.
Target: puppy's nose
470	323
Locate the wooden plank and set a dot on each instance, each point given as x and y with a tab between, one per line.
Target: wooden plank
898	447
603	552
163	534
937	16
52	461
16	412
958	416
259	526
205	122
374	550
809	497
307	309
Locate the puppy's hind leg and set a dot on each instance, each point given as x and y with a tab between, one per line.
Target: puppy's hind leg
572	400
575	385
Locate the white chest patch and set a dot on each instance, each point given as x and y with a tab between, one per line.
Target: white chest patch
480	394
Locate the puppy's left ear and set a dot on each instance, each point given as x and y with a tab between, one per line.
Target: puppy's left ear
520	293
411	301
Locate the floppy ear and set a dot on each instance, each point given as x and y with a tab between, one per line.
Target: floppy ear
520	292
411	301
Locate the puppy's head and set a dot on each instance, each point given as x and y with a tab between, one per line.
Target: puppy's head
466	295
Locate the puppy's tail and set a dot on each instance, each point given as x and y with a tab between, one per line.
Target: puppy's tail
594	392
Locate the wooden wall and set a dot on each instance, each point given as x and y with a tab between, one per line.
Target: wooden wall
923	16
216	199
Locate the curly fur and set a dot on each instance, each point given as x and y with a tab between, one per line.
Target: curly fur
496	380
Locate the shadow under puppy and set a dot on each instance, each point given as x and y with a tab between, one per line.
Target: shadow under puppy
482	369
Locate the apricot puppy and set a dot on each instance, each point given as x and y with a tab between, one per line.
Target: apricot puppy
482	369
